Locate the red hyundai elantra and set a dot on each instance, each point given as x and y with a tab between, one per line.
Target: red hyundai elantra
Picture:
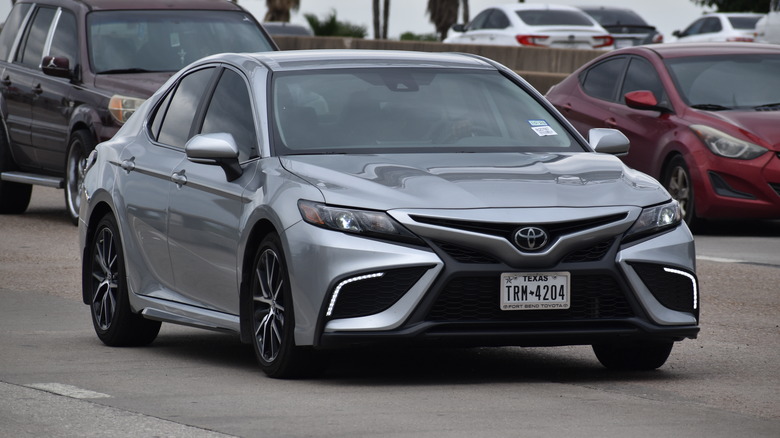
702	118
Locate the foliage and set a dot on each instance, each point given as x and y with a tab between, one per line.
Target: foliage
444	13
279	10
736	5
330	26
410	36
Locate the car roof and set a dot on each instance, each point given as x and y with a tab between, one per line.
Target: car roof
326	59
144	4
680	50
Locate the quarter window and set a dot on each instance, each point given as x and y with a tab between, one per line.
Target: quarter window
177	123
230	110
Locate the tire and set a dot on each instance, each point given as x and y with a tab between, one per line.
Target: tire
113	319
80	145
677	181
14	197
273	317
641	356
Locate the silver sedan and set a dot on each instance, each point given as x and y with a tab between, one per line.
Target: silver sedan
314	200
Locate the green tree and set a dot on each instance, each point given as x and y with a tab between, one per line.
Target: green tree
279	10
736	5
331	26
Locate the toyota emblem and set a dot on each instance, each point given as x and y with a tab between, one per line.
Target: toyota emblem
531	238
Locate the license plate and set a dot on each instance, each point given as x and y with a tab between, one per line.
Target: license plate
535	290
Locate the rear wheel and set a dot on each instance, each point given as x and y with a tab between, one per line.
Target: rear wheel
114	321
273	319
14	197
640	356
80	145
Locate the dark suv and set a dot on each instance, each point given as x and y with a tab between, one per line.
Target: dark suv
73	71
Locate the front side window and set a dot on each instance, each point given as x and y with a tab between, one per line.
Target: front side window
138	41
642	76
409	110
479	21
32	51
177	120
65	40
497	20
230	110
601	80
711	25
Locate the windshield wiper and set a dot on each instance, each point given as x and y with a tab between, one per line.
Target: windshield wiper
767	106
710	107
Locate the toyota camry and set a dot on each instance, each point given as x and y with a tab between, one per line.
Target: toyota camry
312	201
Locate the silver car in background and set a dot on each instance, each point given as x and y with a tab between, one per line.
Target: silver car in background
315	200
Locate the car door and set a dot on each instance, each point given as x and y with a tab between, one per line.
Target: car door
52	108
205	207
145	185
595	107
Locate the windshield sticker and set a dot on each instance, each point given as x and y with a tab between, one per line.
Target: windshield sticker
541	128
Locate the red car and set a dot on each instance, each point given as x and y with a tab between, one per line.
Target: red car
702	118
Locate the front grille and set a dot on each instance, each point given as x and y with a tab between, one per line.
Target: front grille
374	295
671	289
590	254
461	254
476	299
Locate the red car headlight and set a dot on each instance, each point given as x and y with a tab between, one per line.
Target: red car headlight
727	146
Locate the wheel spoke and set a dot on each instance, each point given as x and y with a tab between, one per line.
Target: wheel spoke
268	297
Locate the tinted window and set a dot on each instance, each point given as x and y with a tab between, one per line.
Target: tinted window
397	110
65	42
36	37
711	25
230	110
694	28
497	20
602	79
176	125
167	40
479	21
553	17
11	28
748	23
642	76
610	17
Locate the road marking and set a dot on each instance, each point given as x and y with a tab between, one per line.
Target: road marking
720	259
67	390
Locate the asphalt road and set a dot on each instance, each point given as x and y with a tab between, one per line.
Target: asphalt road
57	379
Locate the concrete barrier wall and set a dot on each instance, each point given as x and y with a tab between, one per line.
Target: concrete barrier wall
541	67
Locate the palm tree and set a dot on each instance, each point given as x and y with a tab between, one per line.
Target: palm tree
466	14
279	10
444	13
380	30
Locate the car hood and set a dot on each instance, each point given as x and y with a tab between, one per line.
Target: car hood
476	180
140	85
762	124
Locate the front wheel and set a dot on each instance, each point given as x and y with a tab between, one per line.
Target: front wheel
80	145
640	356
273	318
114	321
677	181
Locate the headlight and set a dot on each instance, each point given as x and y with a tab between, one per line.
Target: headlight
727	146
364	222
122	107
655	219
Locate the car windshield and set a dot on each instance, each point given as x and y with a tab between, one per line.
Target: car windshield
167	40
744	23
409	110
753	80
552	17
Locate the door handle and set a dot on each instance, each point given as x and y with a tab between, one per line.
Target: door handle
611	123
128	165
37	89
179	178
567	107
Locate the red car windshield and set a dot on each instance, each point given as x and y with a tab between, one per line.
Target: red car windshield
727	81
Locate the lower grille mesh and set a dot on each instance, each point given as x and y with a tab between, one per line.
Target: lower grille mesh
373	295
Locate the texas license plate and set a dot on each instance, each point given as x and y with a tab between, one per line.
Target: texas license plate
535	290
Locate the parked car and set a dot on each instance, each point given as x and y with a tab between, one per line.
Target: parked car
702	118
625	25
325	199
73	71
720	27
768	27
533	25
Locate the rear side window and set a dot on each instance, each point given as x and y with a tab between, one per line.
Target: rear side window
32	51
11	29
602	80
181	111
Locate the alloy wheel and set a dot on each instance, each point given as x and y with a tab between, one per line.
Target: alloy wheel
105	272
269	305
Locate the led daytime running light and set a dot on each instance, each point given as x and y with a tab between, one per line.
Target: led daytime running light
693	282
346	282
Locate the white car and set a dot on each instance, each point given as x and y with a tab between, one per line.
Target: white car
768	28
722	27
533	25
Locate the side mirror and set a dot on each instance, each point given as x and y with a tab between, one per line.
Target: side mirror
58	66
677	33
216	150
608	141
459	27
644	100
